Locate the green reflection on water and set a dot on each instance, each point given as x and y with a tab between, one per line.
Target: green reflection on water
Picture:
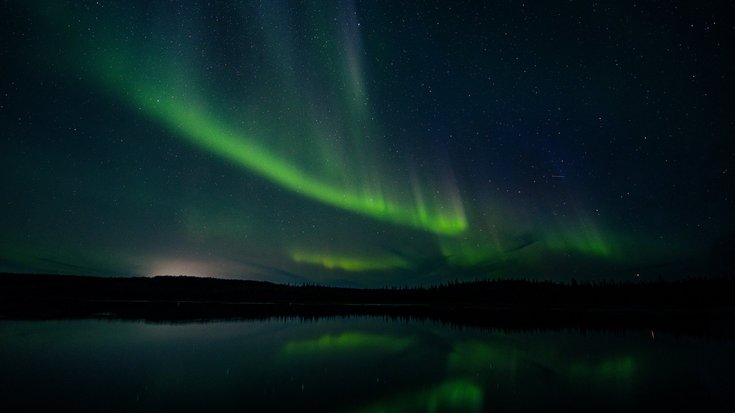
453	395
617	369
353	365
473	355
348	341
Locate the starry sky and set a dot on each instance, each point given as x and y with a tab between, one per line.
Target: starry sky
368	143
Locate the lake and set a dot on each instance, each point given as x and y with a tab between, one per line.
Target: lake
358	364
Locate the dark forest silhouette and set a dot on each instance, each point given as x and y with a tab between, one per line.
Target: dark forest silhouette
692	292
696	305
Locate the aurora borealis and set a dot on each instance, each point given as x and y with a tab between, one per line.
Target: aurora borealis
367	143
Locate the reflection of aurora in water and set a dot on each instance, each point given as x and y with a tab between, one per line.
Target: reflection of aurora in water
458	394
472	367
355	365
347	342
450	396
474	356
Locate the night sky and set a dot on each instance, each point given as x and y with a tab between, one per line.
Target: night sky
368	143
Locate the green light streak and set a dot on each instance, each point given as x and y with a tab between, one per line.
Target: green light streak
163	87
208	133
585	240
352	264
472	356
459	395
465	252
349	341
469	250
582	235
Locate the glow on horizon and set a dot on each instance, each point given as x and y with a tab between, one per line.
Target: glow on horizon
174	267
192	267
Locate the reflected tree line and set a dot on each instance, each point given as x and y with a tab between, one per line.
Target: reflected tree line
695	305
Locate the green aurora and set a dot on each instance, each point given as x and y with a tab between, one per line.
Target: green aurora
283	144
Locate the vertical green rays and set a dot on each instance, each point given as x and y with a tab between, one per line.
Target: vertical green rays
301	115
352	178
205	132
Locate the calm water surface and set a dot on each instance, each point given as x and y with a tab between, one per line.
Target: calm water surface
354	365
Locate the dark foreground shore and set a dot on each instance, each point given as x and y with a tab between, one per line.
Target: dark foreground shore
695	306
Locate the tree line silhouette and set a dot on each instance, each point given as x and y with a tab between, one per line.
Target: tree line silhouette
702	306
692	292
497	293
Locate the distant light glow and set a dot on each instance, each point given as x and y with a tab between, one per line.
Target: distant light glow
193	267
182	267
